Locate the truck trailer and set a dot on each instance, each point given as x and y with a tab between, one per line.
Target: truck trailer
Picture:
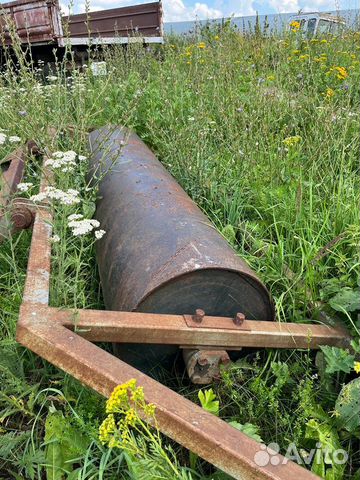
40	26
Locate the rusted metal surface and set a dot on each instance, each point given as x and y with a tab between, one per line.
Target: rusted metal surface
22	213
11	173
39	23
183	421
203	366
144	20
150	328
49	332
161	254
35	21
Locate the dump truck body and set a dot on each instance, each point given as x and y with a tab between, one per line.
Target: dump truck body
117	25
39	23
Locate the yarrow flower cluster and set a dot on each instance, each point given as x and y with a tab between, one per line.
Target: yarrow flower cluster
8	138
55	239
81	226
70	197
64	160
24	186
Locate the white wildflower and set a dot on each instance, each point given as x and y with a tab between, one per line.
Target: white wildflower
82	158
63	160
39	197
55	239
14	139
2	138
24	187
75	216
69	197
52	78
99	234
83	226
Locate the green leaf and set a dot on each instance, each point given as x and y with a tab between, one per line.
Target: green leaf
208	401
323	464
248	429
347	406
318	465
64	444
346	299
337	360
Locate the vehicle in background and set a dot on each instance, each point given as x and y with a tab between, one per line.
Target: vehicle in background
316	23
40	25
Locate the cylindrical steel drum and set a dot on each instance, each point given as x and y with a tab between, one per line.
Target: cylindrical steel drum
161	254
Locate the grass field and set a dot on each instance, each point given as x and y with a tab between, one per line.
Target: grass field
263	133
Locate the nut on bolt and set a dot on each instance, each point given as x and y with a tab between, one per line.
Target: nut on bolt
199	315
239	319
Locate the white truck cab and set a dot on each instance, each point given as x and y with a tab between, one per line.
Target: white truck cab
315	23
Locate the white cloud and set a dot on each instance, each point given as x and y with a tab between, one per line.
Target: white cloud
203	11
176	11
242	8
293	6
285	6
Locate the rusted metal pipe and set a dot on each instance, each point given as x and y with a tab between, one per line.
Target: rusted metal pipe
161	254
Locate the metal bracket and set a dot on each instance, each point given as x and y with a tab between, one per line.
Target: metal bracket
217	323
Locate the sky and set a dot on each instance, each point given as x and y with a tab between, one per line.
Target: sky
182	10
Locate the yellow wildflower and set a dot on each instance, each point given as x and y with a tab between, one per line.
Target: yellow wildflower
216	37
119	399
295	25
320	59
291	141
130	417
106	429
113	442
149	410
271	78
323	41
342	73
296	52
357	367
202	45
304	57
329	93
138	395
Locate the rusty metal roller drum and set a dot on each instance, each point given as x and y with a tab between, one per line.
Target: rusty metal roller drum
161	254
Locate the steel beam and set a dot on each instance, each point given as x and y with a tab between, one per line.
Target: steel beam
135	327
